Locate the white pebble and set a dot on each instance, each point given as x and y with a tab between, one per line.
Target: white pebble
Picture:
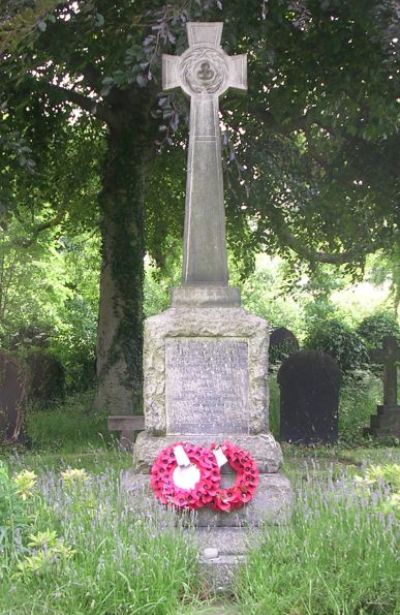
210	553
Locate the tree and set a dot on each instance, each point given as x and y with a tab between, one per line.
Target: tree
92	56
312	147
319	133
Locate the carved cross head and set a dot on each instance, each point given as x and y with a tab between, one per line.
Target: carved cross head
204	68
390	353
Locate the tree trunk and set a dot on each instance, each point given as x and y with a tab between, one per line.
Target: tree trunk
121	201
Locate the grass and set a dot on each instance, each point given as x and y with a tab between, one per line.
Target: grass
116	562
338	556
68	427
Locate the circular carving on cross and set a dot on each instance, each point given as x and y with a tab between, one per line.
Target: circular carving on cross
204	71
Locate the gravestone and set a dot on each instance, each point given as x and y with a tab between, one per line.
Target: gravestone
46	380
12	398
309	383
387	420
282	344
205	358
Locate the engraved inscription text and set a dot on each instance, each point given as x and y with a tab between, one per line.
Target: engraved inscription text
206	385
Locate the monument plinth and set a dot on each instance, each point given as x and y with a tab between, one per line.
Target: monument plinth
206	358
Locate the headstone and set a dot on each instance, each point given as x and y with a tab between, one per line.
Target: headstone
206	359
309	405
387	420
12	398
282	344
46	380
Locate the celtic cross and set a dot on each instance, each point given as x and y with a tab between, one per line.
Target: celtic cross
204	72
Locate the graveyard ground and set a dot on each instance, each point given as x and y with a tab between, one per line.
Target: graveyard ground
71	546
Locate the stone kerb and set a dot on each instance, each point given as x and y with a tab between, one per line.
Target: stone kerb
205	324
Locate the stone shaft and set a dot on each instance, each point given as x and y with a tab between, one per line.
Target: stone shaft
205	259
204	72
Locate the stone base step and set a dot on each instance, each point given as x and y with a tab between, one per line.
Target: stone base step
272	503
222	551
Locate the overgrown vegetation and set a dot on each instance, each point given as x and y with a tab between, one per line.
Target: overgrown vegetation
70	544
339	555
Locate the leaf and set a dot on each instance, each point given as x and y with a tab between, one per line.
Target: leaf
141	80
99	21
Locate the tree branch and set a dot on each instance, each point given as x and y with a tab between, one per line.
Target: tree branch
323	257
97	109
26	243
311	255
265	116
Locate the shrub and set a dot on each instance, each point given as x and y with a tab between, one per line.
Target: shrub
339	341
358	400
373	328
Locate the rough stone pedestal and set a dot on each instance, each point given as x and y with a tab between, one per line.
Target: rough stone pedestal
205	381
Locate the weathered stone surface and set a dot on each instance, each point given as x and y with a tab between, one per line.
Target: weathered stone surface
386	423
231	544
205	296
226	541
263	448
309	382
210	376
12	397
219	574
204	324
272	503
204	72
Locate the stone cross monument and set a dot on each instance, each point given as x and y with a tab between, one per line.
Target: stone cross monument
206	358
205	72
387	421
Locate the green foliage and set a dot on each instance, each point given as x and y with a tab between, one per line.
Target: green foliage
85	547
68	426
159	282
274	400
339	555
15	515
388	475
359	397
79	82
49	297
265	294
373	328
340	342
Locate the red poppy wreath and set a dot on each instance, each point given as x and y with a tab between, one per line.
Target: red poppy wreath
185	475
246	481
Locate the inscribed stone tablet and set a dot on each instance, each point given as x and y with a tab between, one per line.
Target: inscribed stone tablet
206	385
